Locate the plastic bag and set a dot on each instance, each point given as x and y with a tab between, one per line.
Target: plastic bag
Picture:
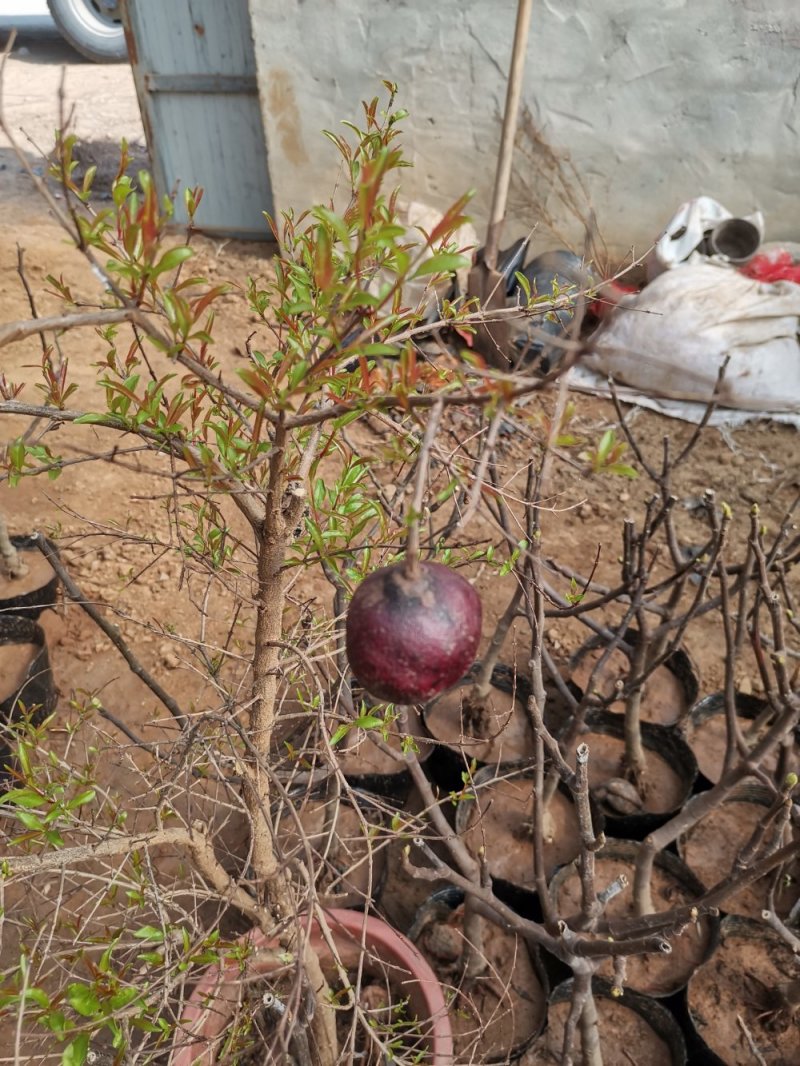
671	338
702	227
777	261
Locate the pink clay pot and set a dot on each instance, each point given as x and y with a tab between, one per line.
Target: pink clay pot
206	1016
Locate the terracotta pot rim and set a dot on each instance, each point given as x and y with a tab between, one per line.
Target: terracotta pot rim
424	989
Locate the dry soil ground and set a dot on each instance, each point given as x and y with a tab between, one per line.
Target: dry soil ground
91	501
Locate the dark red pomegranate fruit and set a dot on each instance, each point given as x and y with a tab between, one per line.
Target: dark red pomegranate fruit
409	637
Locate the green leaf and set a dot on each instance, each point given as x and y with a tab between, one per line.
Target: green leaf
340	734
377	349
441	263
90	419
605	446
623	470
30	821
171	259
150	932
81	798
74	1054
369	721
56	1022
83	1000
524	284
123	998
336	223
38	996
23	797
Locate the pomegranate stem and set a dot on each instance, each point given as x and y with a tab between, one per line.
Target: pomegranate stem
412	567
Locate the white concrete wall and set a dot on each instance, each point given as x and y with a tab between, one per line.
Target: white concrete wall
654	101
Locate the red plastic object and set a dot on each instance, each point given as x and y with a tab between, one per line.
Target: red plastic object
196	1041
609	295
775	267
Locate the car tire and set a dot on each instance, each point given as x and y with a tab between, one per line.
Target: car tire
92	27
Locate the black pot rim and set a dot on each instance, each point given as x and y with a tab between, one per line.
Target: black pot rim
748	707
666	860
753	793
37	689
731	924
665	742
657	1016
448	762
31	604
679	664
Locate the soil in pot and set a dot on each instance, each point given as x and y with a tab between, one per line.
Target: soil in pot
633	1029
500	819
344	837
668	694
747	978
710	848
498	1013
673	885
706	732
635	810
34	590
496	732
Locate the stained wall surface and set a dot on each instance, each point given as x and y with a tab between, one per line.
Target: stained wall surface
649	102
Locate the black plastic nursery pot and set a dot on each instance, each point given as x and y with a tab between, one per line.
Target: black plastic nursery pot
497	814
632	1028
739	999
29	595
669	692
340	843
705	732
26	681
631	813
710	848
497	1014
673	885
464	738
